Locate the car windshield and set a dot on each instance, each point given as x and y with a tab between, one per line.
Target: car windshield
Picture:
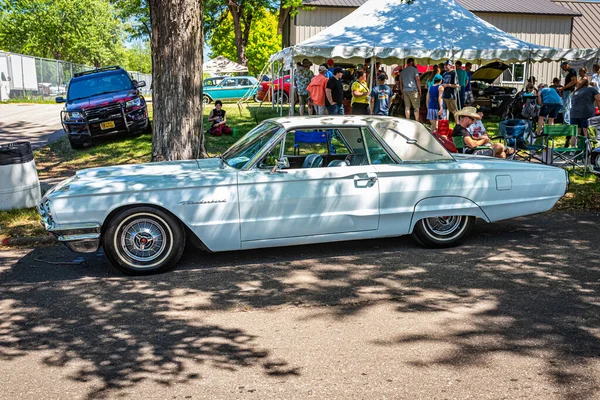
411	142
92	86
250	145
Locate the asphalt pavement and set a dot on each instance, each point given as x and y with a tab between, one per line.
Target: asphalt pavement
513	313
38	124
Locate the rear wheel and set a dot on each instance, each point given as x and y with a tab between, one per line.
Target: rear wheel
285	98
445	231
143	240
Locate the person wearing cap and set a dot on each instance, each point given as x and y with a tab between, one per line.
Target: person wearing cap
316	88
334	93
434	102
303	77
476	137
380	97
567	89
219	121
450	85
360	94
410	85
330	67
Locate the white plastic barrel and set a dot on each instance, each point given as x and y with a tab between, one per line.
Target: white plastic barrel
19	183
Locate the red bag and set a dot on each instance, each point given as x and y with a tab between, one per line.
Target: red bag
444	128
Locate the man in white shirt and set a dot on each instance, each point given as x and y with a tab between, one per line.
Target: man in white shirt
410	85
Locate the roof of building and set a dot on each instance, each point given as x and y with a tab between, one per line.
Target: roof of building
540	7
585	32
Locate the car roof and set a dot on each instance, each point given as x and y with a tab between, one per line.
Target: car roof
336	120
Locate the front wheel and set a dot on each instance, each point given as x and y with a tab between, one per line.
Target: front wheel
143	240
439	232
285	99
206	99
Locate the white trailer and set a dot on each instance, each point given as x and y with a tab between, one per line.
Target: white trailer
4	79
22	74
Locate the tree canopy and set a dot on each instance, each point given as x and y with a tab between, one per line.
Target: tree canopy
87	32
263	40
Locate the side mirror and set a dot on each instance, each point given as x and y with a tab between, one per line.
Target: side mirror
282	163
140	84
60	99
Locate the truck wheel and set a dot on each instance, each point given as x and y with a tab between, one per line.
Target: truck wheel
75	145
143	241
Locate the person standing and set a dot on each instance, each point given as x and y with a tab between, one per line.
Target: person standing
330	67
450	85
303	77
435	102
567	89
435	70
410	84
583	108
316	88
550	104
469	99
380	97
360	94
463	79
595	81
334	93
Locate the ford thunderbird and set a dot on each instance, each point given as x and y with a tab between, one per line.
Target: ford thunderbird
291	181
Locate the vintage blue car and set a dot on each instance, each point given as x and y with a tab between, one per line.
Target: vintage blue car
229	88
290	181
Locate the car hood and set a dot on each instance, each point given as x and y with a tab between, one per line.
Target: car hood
101	100
489	72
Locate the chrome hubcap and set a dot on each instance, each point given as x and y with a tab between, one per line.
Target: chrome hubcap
443	226
143	240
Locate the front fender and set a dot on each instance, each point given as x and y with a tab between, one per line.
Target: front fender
445	205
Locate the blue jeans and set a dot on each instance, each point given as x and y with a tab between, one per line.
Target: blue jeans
336	109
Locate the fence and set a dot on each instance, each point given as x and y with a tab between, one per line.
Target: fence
24	76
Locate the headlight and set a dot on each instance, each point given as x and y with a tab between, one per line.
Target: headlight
73	115
133	103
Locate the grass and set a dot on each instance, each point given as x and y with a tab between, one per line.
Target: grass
32	100
58	160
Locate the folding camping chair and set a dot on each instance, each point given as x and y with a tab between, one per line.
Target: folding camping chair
459	143
566	156
516	134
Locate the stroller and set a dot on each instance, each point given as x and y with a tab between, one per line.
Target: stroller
523	105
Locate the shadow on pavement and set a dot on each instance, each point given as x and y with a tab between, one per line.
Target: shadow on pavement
22	131
531	285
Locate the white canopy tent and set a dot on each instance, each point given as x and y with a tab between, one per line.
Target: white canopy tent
427	30
223	65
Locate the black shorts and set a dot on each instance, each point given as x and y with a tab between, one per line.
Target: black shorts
550	110
580	122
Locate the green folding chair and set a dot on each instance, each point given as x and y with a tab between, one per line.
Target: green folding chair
459	143
575	157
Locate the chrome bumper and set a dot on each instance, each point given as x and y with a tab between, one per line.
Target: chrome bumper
80	238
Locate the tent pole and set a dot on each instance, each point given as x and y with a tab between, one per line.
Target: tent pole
292	87
271	88
281	76
372	71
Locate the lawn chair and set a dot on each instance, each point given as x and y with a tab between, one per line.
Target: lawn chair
516	134
308	137
575	157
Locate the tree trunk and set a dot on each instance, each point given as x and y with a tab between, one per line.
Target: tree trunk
177	52
240	46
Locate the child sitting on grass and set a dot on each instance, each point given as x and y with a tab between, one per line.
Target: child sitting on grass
219	121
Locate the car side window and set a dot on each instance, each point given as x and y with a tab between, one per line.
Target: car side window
229	82
377	153
243	82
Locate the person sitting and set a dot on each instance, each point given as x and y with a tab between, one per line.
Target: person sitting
478	136
219	121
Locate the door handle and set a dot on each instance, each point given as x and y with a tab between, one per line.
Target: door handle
371	178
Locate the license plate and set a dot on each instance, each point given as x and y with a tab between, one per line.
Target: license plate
107	125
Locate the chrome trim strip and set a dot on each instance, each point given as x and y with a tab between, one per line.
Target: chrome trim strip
85	236
62	228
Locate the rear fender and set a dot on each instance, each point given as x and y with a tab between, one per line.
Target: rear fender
445	205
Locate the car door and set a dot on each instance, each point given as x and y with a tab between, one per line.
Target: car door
309	198
228	89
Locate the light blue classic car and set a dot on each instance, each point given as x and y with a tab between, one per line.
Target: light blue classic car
295	180
229	88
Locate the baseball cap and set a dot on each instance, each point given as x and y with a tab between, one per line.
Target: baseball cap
322	68
381	77
330	61
338	70
448	62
